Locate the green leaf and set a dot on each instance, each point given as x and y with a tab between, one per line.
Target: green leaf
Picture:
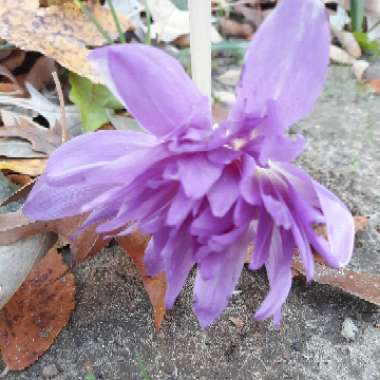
180	4
371	47
93	101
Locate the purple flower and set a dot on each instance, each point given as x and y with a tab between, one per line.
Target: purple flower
205	192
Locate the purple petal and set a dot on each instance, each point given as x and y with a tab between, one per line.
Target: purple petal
302	242
218	243
287	60
46	202
262	242
153	261
211	294
249	186
224	192
206	224
339	224
243	213
280	148
153	87
179	209
315	204
197	174
279	273
179	259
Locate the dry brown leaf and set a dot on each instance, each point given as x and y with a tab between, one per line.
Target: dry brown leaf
14	60
12	87
60	32
37	312
134	246
32	166
41	73
363	285
84	244
231	28
20	179
21	192
374	84
360	223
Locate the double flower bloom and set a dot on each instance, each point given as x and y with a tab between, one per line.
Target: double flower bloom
205	192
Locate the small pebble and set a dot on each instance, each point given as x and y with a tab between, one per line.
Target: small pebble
49	371
349	329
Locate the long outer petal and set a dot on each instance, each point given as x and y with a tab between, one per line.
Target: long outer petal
153	87
287	61
279	275
339	224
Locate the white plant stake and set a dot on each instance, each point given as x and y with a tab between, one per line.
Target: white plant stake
200	44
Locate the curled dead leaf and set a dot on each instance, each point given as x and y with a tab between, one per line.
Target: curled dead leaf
44	140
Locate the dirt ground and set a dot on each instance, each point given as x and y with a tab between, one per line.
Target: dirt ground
112	330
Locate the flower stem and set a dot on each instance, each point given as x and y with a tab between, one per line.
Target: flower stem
86	11
148	38
116	21
200	44
357	15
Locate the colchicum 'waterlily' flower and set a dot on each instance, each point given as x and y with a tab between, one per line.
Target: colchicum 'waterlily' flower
205	192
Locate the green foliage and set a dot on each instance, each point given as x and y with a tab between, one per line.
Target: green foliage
369	47
93	102
141	368
180	4
89	376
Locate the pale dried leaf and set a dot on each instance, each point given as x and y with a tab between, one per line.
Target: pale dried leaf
43	140
29	166
339	55
17	260
359	67
39	104
349	42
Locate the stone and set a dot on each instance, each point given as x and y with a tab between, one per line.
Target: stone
50	371
349	329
